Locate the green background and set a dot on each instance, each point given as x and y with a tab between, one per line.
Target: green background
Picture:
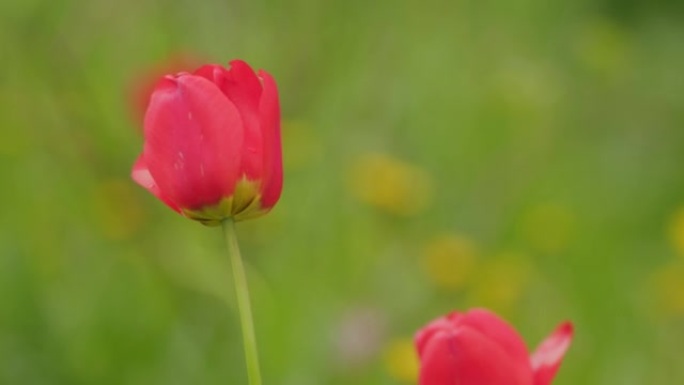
543	140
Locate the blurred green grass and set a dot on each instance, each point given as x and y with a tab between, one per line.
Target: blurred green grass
550	134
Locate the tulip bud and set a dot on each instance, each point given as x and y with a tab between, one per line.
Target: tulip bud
212	143
478	348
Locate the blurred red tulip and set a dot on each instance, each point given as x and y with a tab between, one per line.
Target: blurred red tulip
212	143
479	348
143	83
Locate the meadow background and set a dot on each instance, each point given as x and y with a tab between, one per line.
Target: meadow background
520	155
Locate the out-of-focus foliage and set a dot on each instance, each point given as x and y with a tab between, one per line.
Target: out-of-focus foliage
526	156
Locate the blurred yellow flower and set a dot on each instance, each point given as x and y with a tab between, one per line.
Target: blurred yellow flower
677	231
390	184
117	210
401	360
548	227
501	282
449	260
667	284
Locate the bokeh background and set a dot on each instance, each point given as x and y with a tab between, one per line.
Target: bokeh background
524	156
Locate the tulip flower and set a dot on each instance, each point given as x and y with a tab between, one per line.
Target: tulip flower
478	348
212	143
212	153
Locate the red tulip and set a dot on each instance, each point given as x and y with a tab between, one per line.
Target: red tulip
478	348
212	143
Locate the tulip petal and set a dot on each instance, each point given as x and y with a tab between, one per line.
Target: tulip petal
141	175
212	72
193	141
465	356
269	108
244	90
424	335
498	330
549	354
242	87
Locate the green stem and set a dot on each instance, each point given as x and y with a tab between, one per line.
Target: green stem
244	308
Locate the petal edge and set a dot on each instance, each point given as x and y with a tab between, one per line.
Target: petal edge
141	175
269	108
548	356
